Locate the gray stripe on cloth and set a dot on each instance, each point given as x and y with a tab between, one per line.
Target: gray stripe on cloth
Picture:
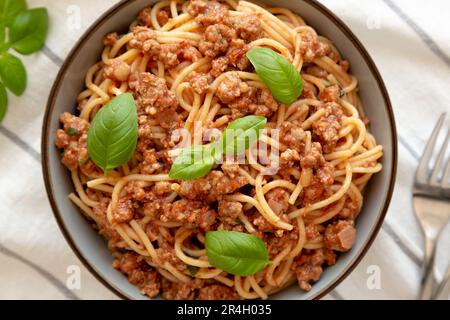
409	148
432	45
44	273
52	56
20	143
336	295
402	245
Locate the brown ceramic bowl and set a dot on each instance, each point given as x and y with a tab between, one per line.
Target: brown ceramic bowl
92	249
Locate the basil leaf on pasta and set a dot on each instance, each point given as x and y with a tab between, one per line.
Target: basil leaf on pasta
278	74
13	73
113	134
241	134
29	30
194	162
237	253
9	9
3	101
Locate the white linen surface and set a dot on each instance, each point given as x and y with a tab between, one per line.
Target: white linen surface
410	43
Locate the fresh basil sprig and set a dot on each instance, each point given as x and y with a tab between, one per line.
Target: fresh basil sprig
3	101
237	253
29	30
278	74
241	134
194	162
113	134
13	73
197	161
23	31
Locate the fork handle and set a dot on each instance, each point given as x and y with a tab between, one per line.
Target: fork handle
428	279
443	291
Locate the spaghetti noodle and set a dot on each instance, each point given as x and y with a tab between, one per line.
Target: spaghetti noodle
184	61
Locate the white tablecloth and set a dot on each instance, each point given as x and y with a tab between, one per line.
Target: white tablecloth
409	41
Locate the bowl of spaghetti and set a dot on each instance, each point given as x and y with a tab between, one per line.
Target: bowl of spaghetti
225	149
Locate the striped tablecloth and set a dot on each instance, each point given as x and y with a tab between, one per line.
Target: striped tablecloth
409	41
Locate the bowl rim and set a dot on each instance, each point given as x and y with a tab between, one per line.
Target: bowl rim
106	16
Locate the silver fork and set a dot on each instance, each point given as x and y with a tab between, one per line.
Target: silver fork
431	199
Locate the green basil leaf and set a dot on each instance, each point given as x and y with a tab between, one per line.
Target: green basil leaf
113	134
241	134
237	253
3	101
193	270
279	75
9	9
193	162
13	73
28	31
73	132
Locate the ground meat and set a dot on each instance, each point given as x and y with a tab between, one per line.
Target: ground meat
123	211
181	291
216	40
345	65
207	12
188	212
151	94
144	39
289	159
217	292
340	235
170	53
110	39
117	70
200	82
73	140
139	273
317	72
313	192
135	190
330	94
278	200
166	254
231	88
244	104
309	91
248	27
237	54
105	228
313	158
326	174
163	17
326	129
265	104
263	225
350	210
191	53
89	169
219	66
214	185
277	244
312	232
162	188
145	18
292	136
312	48
308	266
150	163
229	211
